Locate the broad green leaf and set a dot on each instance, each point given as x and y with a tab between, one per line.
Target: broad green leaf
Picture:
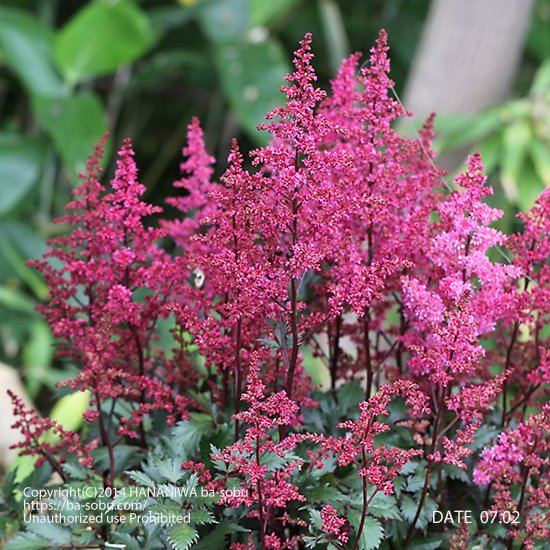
251	74
21	161
10	254
335	34
37	356
458	130
182	537
16	301
76	124
264	13
529	187
224	21
101	37
517	138
540	155
541	82
24	238
491	151
26	46
69	409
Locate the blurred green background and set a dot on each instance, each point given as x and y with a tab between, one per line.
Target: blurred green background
70	70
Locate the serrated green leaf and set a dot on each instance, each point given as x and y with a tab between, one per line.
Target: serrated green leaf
51	531
101	37
141	478
384	506
350	395
182	537
415	483
202	516
169	468
408	507
74	471
27	541
430	543
315	519
216	538
372	533
187	434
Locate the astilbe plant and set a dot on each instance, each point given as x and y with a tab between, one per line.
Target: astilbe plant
340	239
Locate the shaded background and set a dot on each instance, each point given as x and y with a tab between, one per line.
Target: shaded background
70	70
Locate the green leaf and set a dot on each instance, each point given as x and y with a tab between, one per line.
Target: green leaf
51	531
516	142
458	130
141	478
21	161
408	508
188	433
10	254
315	519
335	33
69	409
541	82
26	46
216	538
264	13
251	74
101	37
37	356
182	537
384	506
202	516
430	543
76	124
529	189
27	541
491	150
372	533
224	21
540	155
170	469
16	301
350	395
